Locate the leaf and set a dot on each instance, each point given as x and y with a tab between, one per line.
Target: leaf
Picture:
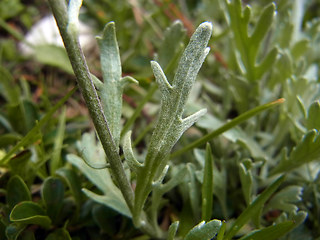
59	234
9	90
109	200
278	230
101	178
111	90
204	231
55	161
219	183
207	186
246	179
248	46
253	208
171	44
30	213
300	48
173	230
306	151
104	217
53	55
312	120
73	16
52	193
14	230
285	199
17	191
193	192
170	125
72	180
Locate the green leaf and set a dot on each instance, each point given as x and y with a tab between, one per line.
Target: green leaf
307	150
104	217
300	48
59	234
253	208
204	231
101	178
72	180
313	119
9	90
246	179
171	45
193	192
73	16
170	125
52	193
219	183
55	161
9	139
207	186
247	46
14	230
30	213
278	230
53	55
20	164
285	199
17	191
111	90
110	200
173	230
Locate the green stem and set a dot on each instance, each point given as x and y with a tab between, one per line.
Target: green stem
234	122
91	98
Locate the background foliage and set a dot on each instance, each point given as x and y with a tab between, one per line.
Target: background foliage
262	175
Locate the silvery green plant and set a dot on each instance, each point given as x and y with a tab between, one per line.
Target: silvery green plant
106	104
170	125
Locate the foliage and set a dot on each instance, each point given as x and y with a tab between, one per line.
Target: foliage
142	171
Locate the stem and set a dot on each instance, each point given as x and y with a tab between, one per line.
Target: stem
234	122
91	98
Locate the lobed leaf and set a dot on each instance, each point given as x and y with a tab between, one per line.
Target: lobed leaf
170	125
306	151
247	46
101	178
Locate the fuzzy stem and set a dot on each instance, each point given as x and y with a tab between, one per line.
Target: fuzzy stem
91	98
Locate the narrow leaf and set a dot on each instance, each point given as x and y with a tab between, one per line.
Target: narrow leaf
313	119
128	153
253	208
173	230
207	186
